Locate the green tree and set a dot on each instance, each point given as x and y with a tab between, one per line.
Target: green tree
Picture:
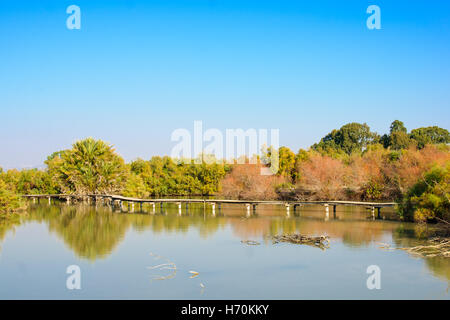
400	140
352	137
430	135
9	201
91	166
397	126
429	198
135	187
286	163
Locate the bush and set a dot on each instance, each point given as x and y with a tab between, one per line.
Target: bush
246	182
9	201
428	199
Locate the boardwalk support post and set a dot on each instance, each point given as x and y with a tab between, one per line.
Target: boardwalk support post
154	207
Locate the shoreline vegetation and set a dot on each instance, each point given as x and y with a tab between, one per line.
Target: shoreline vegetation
350	163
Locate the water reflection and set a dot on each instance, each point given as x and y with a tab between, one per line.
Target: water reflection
94	233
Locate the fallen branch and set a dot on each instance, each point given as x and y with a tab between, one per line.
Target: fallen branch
251	242
321	242
438	247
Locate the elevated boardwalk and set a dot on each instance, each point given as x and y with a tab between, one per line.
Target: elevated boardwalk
116	201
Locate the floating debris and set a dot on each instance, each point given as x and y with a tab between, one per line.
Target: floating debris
322	242
164	266
202	285
438	247
161	266
194	274
251	242
385	246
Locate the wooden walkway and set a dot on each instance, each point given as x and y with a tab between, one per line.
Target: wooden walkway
116	201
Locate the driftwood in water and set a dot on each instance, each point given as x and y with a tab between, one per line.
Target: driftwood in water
321	242
251	242
438	247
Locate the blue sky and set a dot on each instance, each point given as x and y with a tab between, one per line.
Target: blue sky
137	70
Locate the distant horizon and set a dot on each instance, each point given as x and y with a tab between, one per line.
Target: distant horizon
128	160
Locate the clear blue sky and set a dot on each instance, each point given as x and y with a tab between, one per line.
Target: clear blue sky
137	70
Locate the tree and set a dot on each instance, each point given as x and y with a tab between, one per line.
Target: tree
9	201
352	137
398	137
91	166
246	182
429	198
400	140
397	126
286	163
135	187
430	135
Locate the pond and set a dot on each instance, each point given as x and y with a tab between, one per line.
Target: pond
202	256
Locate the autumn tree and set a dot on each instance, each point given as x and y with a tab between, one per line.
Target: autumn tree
245	181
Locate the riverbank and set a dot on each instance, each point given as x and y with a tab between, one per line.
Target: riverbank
416	175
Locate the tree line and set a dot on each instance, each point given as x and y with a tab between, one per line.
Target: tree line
350	163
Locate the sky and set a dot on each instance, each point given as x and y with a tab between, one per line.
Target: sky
138	70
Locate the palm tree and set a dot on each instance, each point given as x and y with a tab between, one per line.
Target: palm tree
90	167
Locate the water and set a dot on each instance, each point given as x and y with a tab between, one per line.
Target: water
115	252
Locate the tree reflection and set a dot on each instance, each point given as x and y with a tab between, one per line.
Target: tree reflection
94	233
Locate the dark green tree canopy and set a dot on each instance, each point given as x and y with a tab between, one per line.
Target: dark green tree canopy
352	137
399	140
397	126
430	135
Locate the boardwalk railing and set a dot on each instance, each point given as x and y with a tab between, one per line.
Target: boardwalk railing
117	201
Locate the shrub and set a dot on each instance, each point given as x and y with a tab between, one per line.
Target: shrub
246	182
428	199
9	201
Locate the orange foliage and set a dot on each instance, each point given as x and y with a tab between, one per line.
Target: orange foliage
414	163
377	174
322	177
246	182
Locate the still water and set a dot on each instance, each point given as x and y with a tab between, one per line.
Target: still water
116	253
